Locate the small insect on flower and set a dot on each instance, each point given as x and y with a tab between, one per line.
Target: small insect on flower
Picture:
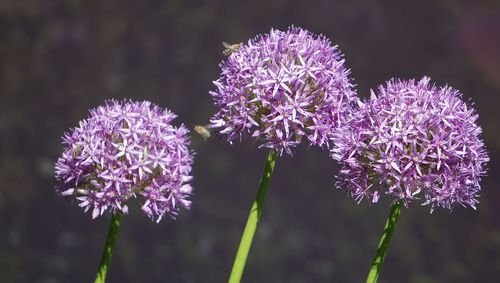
230	48
124	150
202	131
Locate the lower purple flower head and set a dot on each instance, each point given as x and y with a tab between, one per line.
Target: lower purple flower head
412	139
127	149
281	87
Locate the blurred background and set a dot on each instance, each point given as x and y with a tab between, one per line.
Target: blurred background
60	58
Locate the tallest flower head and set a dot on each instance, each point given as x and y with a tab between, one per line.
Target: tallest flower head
281	87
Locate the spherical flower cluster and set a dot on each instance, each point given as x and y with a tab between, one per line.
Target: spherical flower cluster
280	87
411	139
127	149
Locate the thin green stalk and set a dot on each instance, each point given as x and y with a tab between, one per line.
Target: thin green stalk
383	245
114	227
253	220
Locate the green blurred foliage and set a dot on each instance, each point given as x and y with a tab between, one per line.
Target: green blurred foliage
60	58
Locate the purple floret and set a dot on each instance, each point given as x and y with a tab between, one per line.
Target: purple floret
280	87
127	149
412	139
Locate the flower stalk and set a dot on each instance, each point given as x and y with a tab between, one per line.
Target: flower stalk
383	245
253	220
107	253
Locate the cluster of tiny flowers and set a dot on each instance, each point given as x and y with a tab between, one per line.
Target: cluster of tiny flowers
127	149
280	87
411	139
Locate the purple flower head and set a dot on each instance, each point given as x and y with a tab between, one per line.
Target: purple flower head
280	87
127	149
412	139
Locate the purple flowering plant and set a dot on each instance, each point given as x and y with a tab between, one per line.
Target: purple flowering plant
411	140
124	150
280	88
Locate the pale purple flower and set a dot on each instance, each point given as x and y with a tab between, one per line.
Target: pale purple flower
281	87
412	140
127	149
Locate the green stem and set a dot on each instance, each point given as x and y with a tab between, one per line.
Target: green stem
114	227
383	245
253	220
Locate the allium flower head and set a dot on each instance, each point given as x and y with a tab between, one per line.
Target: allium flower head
280	87
127	149
412	139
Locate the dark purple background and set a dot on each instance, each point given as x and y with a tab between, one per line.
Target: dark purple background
60	58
